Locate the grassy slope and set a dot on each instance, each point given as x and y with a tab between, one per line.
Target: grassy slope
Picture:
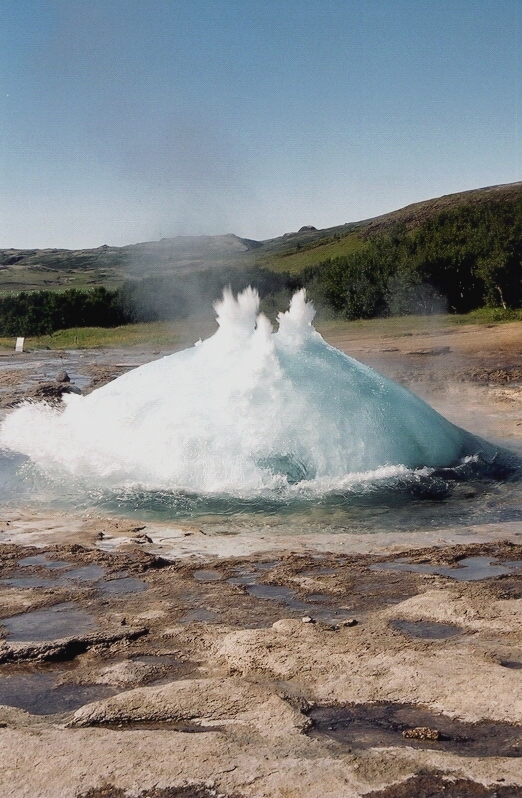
109	266
182	333
419	212
290	257
297	259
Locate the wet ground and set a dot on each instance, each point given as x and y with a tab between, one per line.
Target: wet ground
434	785
32	374
83	628
157	659
378	725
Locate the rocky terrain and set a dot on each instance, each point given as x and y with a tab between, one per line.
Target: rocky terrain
157	659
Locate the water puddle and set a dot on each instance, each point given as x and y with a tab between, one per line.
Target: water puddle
42	559
283	595
62	620
200	614
85	573
312	606
116	587
39	693
28	581
318	597
437	785
207	576
468	570
245	579
250	573
116	584
475	568
427	630
385	725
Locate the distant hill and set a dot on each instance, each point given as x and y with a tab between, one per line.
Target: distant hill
110	266
413	216
293	252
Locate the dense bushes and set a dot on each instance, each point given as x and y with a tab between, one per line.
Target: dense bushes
152	299
460	260
43	312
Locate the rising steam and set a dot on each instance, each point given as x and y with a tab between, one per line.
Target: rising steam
247	412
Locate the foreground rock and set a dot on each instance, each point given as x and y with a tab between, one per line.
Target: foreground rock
233	703
63	649
229	693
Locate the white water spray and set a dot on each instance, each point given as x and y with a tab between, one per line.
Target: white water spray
247	412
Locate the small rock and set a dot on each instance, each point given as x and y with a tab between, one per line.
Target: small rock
49	391
421	733
72	389
307	619
62	376
349	622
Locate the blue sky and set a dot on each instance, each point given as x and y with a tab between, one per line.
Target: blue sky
132	120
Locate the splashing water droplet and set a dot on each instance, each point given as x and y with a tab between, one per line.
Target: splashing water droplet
247	412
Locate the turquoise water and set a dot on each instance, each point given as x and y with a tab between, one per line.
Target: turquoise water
257	427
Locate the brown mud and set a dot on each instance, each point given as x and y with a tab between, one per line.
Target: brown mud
194	791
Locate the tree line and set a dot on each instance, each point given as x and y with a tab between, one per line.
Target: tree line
38	313
457	261
35	313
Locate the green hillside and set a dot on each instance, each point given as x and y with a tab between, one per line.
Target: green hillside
301	256
110	266
458	253
464	257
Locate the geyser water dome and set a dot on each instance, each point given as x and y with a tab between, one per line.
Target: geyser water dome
248	412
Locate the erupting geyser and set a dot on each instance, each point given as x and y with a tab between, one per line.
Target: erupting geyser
247	412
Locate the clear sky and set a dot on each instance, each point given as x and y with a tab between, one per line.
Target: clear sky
131	120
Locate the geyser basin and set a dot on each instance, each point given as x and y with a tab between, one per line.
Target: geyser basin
247	413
